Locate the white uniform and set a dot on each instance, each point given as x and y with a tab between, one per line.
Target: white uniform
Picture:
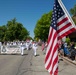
27	45
0	45
14	43
22	49
35	48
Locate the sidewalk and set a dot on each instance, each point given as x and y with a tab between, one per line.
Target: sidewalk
66	58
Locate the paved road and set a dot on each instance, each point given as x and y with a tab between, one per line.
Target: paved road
30	65
15	64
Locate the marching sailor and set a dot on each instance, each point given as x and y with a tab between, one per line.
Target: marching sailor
35	48
22	49
27	45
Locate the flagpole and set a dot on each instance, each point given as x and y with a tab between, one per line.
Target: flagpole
65	10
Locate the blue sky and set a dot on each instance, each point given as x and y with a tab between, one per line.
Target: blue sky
28	12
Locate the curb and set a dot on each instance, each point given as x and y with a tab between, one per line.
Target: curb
66	58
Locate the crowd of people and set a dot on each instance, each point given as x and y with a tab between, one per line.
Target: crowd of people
65	50
68	50
24	45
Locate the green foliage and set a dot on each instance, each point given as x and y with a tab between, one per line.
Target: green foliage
2	32
13	31
41	30
68	40
73	10
42	27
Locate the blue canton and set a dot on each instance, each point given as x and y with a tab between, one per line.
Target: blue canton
57	13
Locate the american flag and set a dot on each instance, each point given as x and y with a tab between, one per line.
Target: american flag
60	27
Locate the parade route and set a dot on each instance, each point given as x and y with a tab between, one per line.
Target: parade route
28	64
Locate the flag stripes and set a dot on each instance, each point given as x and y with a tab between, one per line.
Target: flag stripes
64	27
52	57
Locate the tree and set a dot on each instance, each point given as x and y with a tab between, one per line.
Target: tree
2	32
17	31
73	12
24	34
13	31
42	27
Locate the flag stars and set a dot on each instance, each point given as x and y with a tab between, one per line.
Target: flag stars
54	25
53	18
58	16
54	8
54	4
54	22
55	11
58	13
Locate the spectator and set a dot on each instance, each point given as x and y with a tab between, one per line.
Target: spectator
73	54
66	51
